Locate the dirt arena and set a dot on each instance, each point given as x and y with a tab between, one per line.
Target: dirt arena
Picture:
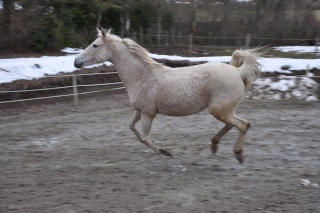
58	160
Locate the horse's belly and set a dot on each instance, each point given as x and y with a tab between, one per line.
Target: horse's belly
180	109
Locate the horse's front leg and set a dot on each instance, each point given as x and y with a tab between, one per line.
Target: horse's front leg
146	128
134	119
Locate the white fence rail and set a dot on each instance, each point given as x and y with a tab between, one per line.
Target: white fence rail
74	85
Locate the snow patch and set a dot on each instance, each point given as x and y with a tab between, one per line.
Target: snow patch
297	49
71	50
284	88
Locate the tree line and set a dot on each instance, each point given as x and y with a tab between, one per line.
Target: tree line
42	25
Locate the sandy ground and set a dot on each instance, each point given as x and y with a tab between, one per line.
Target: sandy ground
57	160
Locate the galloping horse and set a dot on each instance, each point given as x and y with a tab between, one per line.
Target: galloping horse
157	89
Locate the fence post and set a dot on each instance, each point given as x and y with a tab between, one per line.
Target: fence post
75	91
307	70
141	35
166	37
135	36
159	31
248	38
149	38
190	44
317	44
172	36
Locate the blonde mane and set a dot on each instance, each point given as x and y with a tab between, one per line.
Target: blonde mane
141	54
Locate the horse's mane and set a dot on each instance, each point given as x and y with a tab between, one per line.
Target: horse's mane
141	54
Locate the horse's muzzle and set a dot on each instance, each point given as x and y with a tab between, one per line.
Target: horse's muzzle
77	63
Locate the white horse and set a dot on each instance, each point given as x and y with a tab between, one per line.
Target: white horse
157	89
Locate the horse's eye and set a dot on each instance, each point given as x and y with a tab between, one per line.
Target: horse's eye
95	45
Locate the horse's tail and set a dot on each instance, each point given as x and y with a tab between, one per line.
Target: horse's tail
249	67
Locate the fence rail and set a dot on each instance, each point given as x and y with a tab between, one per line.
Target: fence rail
75	92
161	39
233	37
74	85
188	40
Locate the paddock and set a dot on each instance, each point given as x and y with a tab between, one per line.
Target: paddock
55	160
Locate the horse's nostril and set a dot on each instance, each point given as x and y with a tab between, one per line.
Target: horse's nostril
77	64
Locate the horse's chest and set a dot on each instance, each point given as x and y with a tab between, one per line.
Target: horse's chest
143	102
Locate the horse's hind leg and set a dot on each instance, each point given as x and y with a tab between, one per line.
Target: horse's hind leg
242	126
230	119
216	139
145	138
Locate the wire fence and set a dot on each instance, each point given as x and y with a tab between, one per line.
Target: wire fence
75	87
158	40
190	40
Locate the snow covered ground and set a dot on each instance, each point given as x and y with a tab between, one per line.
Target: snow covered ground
33	68
30	68
299	49
284	88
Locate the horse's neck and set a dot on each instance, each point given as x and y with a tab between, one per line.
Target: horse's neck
131	71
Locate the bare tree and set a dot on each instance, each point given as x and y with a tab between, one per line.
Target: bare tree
194	18
225	21
7	20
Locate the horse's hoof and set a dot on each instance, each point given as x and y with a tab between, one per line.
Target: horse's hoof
214	148
239	156
167	152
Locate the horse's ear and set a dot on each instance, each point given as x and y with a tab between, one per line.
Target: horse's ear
99	32
104	32
109	31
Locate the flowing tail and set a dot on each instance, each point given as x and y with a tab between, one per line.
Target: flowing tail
249	67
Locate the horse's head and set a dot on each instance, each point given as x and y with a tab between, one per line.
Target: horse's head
96	52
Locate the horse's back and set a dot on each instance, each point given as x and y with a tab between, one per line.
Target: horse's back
218	78
188	90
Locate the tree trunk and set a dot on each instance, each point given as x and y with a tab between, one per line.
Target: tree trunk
225	20
194	19
127	23
7	23
159	29
122	25
291	8
98	25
